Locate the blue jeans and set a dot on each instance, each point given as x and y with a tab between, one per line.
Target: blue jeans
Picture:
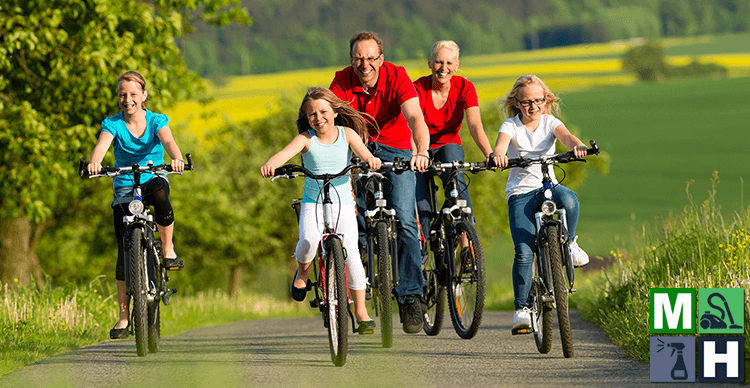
401	199
444	154
521	209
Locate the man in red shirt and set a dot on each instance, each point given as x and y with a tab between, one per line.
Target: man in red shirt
385	92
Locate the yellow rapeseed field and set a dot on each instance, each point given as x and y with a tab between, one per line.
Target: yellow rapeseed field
565	69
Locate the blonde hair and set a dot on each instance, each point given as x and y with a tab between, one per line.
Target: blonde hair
508	104
441	44
348	116
134	76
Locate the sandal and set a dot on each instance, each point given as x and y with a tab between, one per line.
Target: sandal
365	327
298	294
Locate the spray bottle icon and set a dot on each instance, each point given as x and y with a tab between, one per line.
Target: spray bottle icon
679	371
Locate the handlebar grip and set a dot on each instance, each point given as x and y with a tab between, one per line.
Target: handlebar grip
189	165
594	150
82	168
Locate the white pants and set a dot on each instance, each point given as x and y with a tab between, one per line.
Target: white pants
345	223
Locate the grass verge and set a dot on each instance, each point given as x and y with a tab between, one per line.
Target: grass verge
39	322
695	249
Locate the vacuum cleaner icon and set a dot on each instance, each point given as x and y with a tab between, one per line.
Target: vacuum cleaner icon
711	321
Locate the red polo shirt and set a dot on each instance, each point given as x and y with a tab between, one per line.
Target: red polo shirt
393	89
445	122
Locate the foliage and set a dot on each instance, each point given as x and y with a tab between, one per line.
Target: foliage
648	62
696	249
316	33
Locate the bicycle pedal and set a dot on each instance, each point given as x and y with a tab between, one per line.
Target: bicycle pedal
523	330
315	303
174	265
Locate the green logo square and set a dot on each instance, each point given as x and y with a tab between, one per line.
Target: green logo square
672	310
721	310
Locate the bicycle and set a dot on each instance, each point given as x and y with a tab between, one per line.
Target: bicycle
145	276
551	254
331	293
381	230
451	265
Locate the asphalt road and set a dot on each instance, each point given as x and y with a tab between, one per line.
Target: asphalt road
294	353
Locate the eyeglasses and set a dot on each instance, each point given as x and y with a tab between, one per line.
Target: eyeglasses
362	60
537	102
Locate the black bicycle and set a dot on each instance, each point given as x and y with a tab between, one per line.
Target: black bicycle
331	293
145	275
456	260
381	253
552	262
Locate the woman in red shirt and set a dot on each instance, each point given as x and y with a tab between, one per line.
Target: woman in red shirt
444	99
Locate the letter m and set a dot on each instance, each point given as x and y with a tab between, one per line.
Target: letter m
681	311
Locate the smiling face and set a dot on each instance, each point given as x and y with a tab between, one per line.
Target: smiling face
366	61
443	66
131	97
320	115
528	102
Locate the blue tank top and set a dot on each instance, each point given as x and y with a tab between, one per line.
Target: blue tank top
327	159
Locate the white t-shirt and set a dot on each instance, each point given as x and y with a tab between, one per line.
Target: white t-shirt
524	143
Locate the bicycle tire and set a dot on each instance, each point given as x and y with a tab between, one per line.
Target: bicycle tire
138	278
433	309
541	317
561	291
466	282
384	285
337	301
154	327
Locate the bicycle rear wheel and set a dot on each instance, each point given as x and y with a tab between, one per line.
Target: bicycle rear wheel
466	281
337	302
384	285
561	291
137	287
433	309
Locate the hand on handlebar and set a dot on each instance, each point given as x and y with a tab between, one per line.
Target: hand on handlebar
419	162
374	163
267	170
178	165
94	168
494	161
579	151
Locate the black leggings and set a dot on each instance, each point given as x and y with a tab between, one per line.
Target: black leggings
156	193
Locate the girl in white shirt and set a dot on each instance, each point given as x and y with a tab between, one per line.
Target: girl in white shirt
530	131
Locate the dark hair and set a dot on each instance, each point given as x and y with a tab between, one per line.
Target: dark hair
134	76
365	35
348	116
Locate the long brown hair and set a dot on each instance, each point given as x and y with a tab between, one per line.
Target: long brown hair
508	104
348	116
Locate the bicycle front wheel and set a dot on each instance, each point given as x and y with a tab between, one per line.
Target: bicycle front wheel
337	302
541	317
154	327
434	292
466	281
561	291
138	288
384	285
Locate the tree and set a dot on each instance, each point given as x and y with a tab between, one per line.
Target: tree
647	61
58	65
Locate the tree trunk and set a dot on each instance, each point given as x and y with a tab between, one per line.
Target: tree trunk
235	285
17	257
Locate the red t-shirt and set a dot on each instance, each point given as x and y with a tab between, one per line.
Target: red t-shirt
393	89
445	122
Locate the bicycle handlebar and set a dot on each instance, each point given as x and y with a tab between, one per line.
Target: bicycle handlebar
565	157
162	169
437	167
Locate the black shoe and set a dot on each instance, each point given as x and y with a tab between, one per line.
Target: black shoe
365	327
119	333
298	294
411	314
173	263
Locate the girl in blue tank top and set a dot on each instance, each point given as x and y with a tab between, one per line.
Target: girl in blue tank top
325	149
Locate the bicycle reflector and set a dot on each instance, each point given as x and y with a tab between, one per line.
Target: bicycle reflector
548	208
135	206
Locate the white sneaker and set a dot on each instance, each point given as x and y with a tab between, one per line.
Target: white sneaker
578	256
522	319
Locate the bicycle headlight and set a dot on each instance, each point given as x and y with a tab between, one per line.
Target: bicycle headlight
135	207
548	208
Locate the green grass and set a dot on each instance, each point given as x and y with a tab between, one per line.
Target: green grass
660	136
697	248
36	323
